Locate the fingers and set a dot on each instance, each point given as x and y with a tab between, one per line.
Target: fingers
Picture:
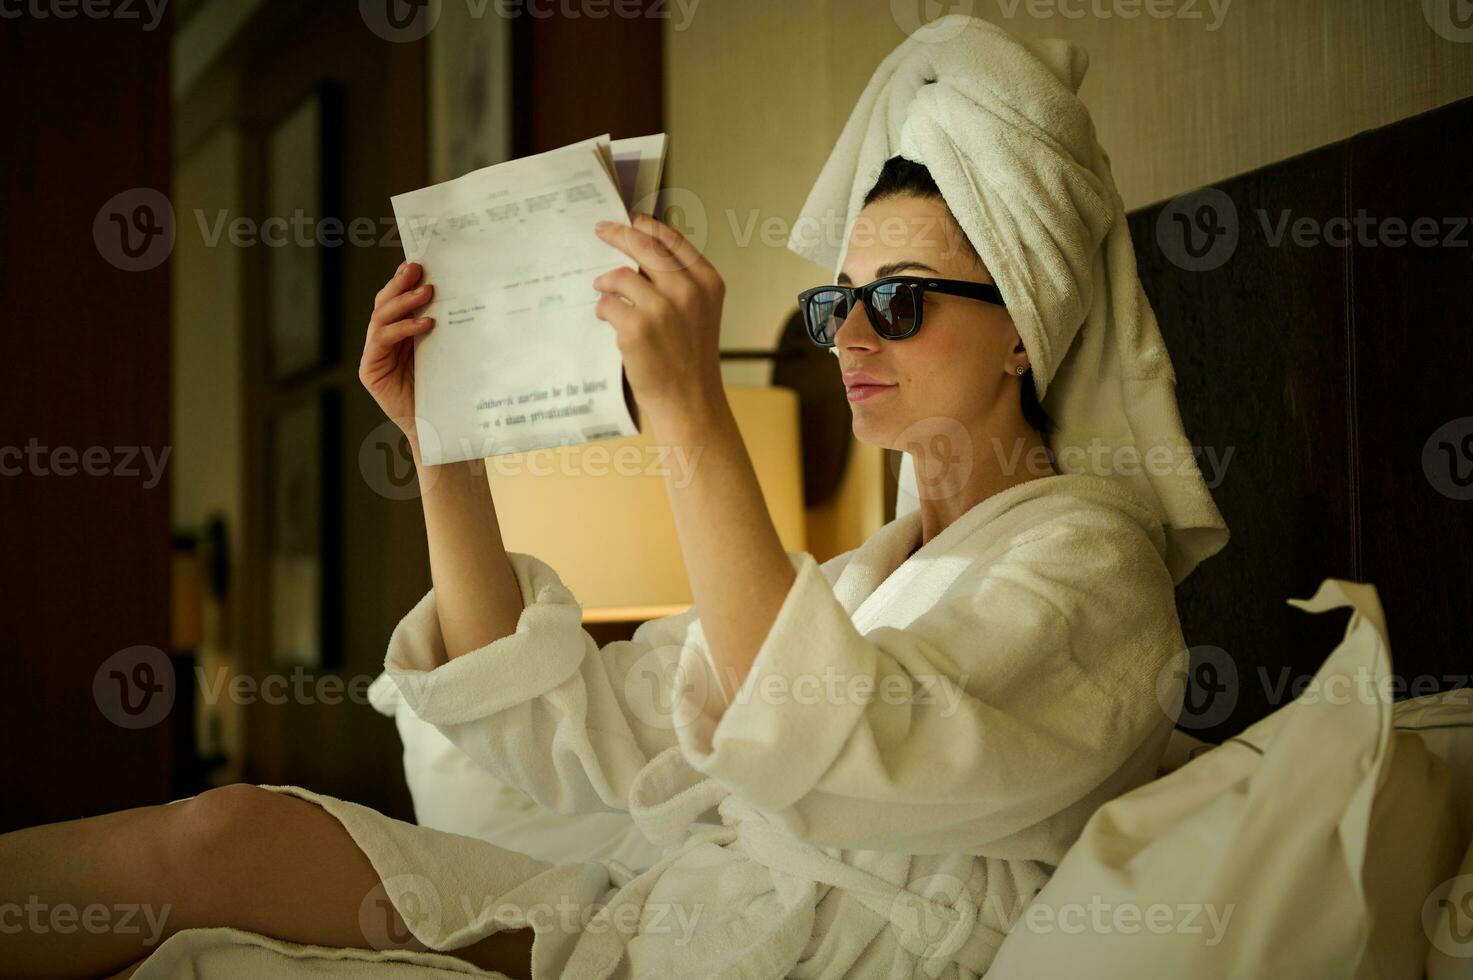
402	305
654	259
392	334
633	286
382	350
404	277
686	255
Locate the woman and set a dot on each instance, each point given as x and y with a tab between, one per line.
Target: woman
864	768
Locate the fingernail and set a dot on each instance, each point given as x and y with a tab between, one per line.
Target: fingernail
602	225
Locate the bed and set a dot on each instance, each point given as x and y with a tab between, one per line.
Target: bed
1339	447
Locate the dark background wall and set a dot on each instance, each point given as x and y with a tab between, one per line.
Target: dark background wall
86	562
1333	364
84	559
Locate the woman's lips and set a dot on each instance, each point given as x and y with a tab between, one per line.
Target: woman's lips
857	393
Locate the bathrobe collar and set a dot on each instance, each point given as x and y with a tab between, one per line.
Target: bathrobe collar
879	568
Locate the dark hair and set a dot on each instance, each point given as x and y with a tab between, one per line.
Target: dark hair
900	177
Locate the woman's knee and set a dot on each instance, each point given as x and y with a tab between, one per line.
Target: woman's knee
225	826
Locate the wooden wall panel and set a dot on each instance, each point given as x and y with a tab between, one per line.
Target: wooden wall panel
1414	396
1259	345
1325	367
84	558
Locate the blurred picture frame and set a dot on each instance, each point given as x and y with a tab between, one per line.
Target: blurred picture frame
303	232
303	551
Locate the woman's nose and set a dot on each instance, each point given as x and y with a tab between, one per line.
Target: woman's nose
856	330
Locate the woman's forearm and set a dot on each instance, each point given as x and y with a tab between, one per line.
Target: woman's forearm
739	572
477	597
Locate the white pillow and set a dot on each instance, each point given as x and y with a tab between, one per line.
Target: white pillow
1302	847
1444	722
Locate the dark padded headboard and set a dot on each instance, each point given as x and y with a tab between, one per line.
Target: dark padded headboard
1338	375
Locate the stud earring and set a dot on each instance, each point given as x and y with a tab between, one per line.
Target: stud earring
1021	369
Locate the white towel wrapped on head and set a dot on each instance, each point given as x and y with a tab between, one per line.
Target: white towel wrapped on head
998	122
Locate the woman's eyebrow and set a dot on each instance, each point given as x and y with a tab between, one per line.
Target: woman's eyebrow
889	270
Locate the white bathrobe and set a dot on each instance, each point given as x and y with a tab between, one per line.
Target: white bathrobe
919	741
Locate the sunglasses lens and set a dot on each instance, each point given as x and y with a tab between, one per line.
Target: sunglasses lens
895	302
825	313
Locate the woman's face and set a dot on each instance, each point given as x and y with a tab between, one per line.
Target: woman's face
957	368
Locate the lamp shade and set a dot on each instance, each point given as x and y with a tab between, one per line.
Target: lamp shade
599	512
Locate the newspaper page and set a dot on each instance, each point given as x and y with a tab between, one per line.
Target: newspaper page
516	359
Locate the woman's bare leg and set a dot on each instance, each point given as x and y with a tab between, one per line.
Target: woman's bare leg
87	898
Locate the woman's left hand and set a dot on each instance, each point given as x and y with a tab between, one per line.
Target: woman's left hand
670	336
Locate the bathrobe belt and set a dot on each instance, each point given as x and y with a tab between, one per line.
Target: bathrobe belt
935	930
669	794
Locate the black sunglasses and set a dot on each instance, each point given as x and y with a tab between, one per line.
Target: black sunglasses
894	304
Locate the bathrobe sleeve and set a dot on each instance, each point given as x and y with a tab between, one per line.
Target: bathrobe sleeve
545	709
1013	694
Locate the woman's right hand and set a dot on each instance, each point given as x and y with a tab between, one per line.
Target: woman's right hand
387	366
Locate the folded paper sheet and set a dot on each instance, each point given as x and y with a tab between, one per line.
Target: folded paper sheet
517	360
